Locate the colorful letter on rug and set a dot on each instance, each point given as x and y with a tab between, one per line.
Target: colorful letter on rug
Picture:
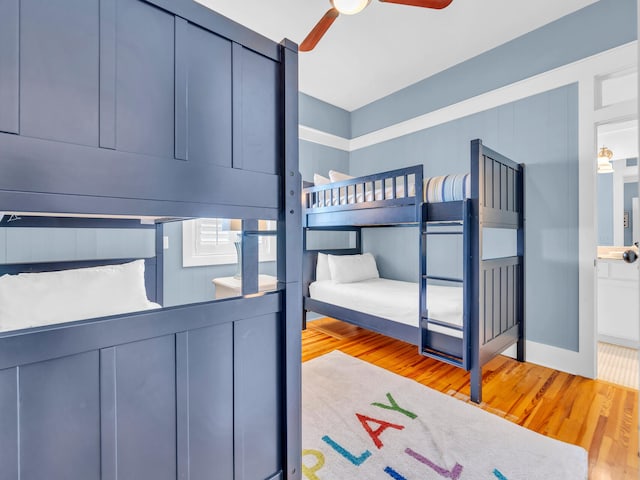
360	421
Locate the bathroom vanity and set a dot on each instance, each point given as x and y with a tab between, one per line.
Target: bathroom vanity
618	303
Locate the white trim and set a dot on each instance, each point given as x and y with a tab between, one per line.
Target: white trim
266	250
553	357
191	259
560	359
602	79
621	175
622	342
620	111
317	136
587	231
610	61
582	72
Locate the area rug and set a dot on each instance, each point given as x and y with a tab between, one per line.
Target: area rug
360	421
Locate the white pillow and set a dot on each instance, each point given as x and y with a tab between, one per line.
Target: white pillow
32	299
322	268
336	176
320	180
352	268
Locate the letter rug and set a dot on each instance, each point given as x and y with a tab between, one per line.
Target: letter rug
360	421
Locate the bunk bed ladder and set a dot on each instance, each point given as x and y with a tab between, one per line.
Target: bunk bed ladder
445	348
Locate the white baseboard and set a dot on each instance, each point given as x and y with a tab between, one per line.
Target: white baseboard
622	342
553	357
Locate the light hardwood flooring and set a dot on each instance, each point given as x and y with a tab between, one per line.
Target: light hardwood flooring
598	416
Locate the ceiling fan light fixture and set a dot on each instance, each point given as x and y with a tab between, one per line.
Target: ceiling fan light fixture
350	7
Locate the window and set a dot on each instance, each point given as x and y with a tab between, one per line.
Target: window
212	241
616	88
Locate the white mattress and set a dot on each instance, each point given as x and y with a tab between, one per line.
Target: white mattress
394	300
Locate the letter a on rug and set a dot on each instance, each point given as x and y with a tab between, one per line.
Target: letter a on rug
352	411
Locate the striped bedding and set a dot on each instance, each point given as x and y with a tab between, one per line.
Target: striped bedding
445	188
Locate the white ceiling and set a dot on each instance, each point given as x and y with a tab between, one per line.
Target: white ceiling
387	47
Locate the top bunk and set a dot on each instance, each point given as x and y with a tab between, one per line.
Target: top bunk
382	198
493	189
89	151
210	122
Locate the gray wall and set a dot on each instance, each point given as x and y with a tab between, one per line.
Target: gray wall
25	245
630	191
542	132
187	285
184	285
397	252
316	158
323	116
605	209
566	40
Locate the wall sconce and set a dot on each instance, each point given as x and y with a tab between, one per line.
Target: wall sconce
604	160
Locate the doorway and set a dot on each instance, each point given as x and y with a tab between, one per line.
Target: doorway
617	304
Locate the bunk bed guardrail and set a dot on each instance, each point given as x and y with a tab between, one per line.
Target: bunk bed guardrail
352	200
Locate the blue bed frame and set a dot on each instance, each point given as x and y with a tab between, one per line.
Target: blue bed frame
493	289
164	109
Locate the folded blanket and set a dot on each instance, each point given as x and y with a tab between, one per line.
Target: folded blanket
447	188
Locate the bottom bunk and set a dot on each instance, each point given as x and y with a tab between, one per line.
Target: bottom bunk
467	338
394	300
465	325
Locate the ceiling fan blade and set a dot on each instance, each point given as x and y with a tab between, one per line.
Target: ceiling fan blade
438	4
319	30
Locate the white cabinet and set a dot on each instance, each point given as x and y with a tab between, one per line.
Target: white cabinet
618	304
232	287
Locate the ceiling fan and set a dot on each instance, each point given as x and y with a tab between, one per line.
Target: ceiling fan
351	7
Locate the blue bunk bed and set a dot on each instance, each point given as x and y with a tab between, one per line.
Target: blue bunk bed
492	289
162	109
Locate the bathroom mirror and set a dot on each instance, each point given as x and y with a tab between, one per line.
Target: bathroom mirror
617	183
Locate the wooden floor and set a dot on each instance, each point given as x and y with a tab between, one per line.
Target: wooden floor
598	416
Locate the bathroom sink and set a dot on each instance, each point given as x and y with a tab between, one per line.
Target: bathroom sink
611	256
